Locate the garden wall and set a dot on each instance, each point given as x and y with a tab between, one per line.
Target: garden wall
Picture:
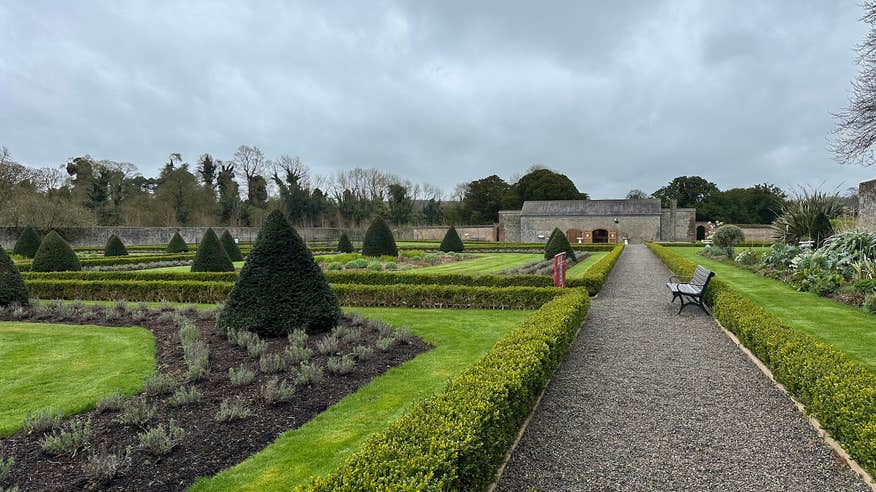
867	206
436	233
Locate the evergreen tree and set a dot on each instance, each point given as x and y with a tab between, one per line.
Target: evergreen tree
452	241
115	247
211	256
344	244
379	240
557	244
55	255
28	243
280	287
177	244
12	288
231	246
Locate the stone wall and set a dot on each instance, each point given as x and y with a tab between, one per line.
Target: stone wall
678	224
509	226
436	233
97	236
867	206
757	232
637	229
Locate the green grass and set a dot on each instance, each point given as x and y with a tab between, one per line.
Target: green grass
183	268
484	263
581	268
67	367
847	328
320	445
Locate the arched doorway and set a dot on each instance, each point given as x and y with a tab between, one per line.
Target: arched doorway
600	236
575	236
701	233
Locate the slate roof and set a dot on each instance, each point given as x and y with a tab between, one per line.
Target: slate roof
559	208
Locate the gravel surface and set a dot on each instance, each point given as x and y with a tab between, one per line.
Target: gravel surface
649	400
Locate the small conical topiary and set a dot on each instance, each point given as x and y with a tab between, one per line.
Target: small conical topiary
177	244
344	244
280	287
558	243
231	247
452	241
12	288
55	255
379	240
28	243
115	247
211	256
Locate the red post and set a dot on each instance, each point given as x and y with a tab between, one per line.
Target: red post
560	270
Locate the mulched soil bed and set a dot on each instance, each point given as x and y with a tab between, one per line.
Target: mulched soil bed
208	446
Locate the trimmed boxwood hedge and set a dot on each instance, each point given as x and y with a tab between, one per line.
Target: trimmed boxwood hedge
114	247
838	391
138	275
55	255
177	244
131	290
211	256
231	246
457	439
12	289
379	240
452	241
25	266
28	243
344	244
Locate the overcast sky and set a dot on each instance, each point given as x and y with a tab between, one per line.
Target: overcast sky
617	95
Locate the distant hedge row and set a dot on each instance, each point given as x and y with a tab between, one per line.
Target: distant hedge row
24	266
839	392
457	439
193	291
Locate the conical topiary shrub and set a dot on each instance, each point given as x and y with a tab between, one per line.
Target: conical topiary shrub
452	241
177	244
558	243
344	244
28	243
280	287
211	256
55	255
379	240
115	247
12	289
230	246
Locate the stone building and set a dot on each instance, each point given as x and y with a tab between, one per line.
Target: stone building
598	221
867	206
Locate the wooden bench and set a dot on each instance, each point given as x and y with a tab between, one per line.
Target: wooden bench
692	291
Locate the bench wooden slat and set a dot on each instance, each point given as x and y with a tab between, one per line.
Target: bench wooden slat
694	290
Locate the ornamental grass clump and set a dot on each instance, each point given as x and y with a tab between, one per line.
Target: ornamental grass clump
231	246
344	244
69	440
12	288
161	439
136	412
55	255
280	287
111	403
28	243
379	240
277	391
241	376
177	244
102	466
211	256
42	420
232	409
452	241
158	384
115	247
185	396
558	243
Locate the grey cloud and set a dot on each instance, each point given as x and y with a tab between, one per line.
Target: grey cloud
618	95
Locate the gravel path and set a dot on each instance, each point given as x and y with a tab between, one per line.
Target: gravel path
648	400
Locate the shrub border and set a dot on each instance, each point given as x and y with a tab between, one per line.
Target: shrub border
836	390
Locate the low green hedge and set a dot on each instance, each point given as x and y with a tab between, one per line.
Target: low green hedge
135	275
457	439
24	266
594	278
195	291
700	244
835	389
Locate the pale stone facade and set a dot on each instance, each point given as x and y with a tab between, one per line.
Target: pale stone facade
867	206
589	221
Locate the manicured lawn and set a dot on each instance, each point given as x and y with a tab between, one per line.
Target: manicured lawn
581	268
67	367
484	263
183	268
847	328
319	446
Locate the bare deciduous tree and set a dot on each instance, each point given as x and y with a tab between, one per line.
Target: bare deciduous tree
855	133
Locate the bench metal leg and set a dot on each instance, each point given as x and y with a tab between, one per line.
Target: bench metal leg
697	301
